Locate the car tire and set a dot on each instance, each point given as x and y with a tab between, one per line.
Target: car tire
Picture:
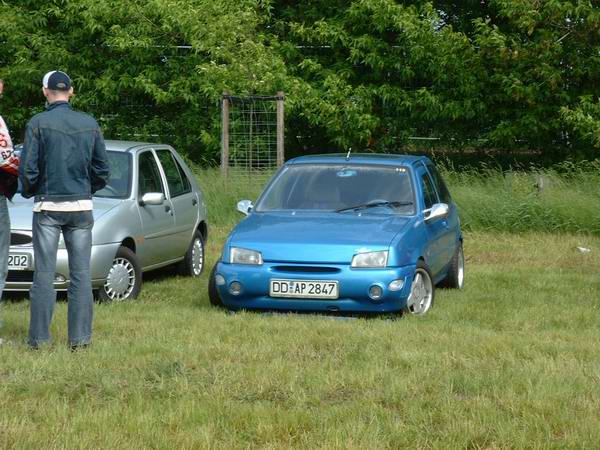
213	293
456	273
422	291
193	262
124	279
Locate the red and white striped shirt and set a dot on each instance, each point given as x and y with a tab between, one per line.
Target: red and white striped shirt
8	161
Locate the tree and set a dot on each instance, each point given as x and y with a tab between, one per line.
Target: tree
506	74
502	74
150	70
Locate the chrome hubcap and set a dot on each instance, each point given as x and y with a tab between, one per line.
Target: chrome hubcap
121	280
197	256
421	293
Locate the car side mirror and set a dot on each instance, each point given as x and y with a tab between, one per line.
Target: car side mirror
152	198
437	211
245	206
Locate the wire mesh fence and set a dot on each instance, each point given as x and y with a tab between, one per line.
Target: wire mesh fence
252	138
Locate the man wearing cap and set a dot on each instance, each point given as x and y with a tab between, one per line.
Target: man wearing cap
63	163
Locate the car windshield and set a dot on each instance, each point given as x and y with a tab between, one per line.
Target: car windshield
120	176
340	188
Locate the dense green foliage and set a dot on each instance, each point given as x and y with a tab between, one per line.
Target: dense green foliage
146	68
510	75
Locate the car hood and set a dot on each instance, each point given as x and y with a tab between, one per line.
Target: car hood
20	210
316	237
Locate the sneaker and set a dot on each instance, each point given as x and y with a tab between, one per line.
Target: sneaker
77	347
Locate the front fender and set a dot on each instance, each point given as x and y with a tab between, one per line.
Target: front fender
408	246
118	224
101	262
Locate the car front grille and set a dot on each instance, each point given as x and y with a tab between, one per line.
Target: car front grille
306	269
19	276
17	238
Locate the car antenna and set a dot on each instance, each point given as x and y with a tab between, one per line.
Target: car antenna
348	154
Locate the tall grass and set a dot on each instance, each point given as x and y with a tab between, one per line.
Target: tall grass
565	198
222	194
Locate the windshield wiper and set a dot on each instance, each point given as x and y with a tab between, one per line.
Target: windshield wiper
374	205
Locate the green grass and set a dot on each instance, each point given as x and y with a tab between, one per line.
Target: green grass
510	362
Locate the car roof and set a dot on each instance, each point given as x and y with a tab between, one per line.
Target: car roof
125	146
360	158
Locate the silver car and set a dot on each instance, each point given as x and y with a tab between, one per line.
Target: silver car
151	214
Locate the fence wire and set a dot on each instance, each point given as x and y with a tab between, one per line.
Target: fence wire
252	137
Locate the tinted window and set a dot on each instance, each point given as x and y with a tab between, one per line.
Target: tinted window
335	186
176	179
440	186
429	197
149	174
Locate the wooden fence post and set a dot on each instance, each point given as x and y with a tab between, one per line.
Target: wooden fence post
280	129
225	134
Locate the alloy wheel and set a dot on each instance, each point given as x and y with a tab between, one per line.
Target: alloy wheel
421	293
461	268
197	256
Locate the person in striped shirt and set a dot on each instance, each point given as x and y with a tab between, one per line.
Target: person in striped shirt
9	171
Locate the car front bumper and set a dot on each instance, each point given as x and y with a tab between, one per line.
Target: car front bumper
101	260
353	284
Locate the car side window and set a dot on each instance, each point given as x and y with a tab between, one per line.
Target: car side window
176	178
149	176
440	185
429	196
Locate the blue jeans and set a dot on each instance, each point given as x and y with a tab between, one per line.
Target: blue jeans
76	227
4	241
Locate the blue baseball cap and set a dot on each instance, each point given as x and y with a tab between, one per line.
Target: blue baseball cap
56	81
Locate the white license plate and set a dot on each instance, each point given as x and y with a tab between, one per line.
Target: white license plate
304	289
19	261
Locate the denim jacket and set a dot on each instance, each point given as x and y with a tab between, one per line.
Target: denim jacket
64	156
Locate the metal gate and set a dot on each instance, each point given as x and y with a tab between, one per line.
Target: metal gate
252	134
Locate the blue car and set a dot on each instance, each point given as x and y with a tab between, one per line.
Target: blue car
362	233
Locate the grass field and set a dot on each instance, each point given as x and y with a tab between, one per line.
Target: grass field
510	362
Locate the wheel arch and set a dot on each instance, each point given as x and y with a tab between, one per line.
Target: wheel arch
203	230
129	242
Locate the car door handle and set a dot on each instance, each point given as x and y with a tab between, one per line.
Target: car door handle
168	209
194	202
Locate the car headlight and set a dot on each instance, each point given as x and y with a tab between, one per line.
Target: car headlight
370	259
244	256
